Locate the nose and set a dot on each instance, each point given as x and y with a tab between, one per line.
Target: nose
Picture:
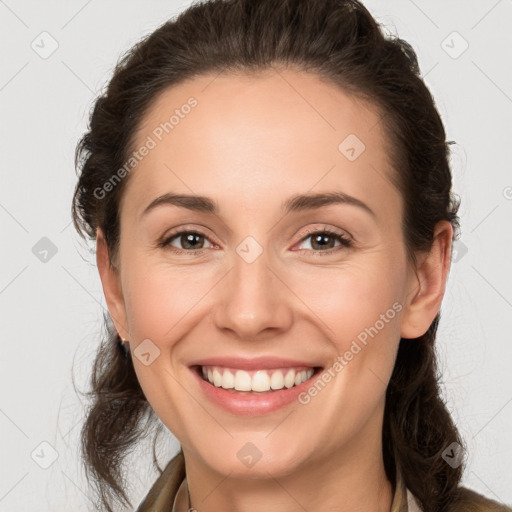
254	302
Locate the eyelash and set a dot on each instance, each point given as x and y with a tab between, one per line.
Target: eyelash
345	242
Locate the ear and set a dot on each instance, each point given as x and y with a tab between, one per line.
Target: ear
111	282
427	284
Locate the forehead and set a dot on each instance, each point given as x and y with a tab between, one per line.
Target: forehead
249	136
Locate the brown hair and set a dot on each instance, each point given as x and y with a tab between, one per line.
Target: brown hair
339	41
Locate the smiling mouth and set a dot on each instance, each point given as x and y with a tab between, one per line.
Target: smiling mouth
256	381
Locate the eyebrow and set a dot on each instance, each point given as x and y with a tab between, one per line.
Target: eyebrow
298	202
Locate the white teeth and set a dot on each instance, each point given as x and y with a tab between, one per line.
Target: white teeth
289	380
261	380
242	381
277	380
217	378
228	380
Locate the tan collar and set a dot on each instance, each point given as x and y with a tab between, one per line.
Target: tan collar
403	500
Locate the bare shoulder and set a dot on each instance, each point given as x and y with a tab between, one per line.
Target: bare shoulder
471	501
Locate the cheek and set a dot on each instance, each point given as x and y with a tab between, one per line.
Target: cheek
158	298
162	305
351	298
358	307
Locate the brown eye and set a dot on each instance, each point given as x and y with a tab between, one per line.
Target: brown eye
190	241
324	241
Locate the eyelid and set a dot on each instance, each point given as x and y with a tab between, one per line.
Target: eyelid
347	241
202	230
325	228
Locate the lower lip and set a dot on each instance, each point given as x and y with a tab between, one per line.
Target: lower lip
253	404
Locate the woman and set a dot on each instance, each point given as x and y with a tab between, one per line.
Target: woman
268	186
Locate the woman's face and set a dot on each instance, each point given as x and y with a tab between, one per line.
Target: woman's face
263	279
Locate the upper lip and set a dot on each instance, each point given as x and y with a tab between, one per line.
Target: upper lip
253	363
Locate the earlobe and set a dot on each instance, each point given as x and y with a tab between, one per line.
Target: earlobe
427	284
111	283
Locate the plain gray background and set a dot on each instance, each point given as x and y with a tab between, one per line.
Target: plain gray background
52	310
